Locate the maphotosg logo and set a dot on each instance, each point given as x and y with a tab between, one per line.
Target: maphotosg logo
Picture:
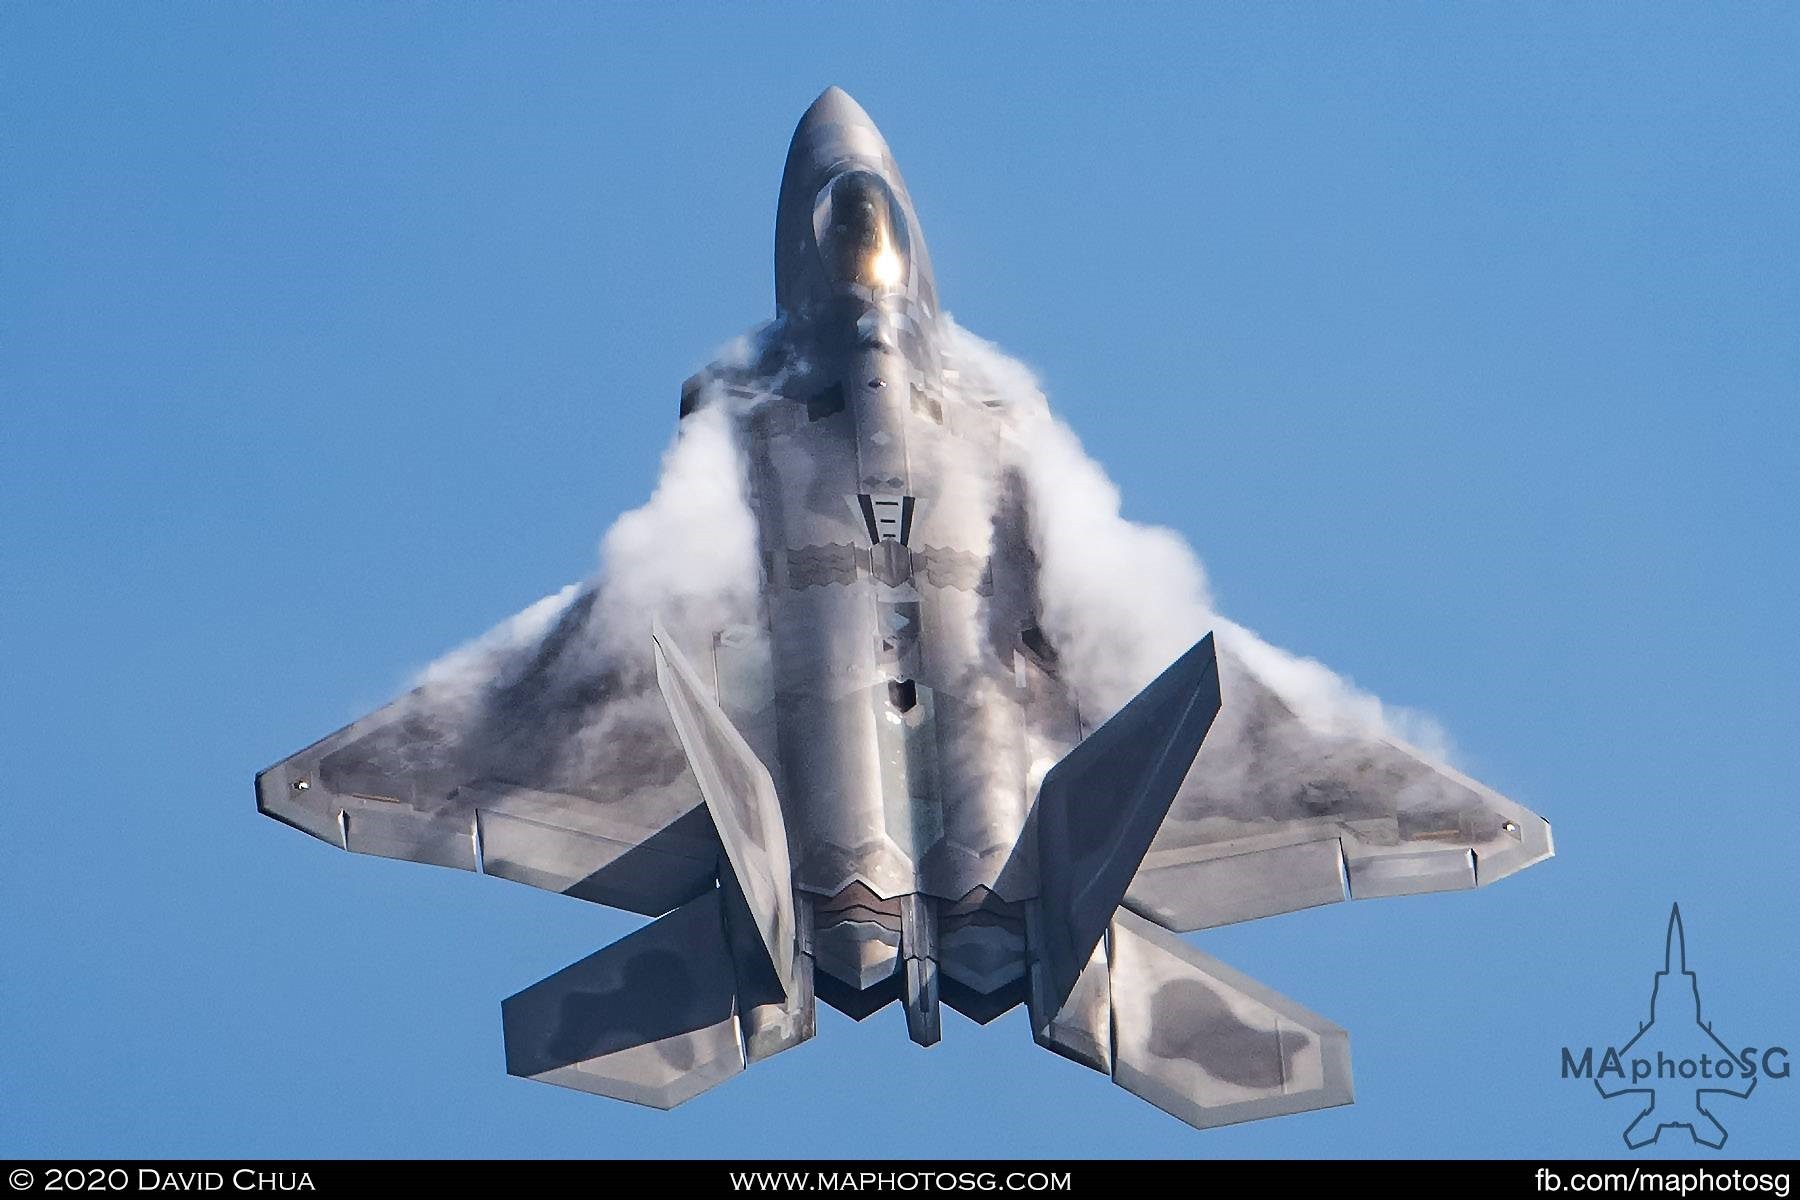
1675	1064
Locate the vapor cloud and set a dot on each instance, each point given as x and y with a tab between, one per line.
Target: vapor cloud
1121	600
690	552
687	555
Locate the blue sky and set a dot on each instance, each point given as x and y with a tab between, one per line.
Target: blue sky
1460	340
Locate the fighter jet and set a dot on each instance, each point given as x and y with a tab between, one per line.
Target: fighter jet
833	788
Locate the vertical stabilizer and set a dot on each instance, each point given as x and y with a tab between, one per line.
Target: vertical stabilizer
740	795
1098	809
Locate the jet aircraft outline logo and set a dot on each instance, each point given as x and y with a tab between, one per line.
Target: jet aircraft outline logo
1675	1062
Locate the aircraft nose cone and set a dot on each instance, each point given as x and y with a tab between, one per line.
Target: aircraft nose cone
834	126
834	107
834	136
834	131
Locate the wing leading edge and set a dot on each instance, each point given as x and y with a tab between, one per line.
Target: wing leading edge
1277	816
545	766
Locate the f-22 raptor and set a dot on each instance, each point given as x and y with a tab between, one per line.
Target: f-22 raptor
838	793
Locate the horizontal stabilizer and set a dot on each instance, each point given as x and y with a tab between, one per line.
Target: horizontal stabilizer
1212	1046
651	1019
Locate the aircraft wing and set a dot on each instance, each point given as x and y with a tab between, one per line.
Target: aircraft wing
542	765
1277	816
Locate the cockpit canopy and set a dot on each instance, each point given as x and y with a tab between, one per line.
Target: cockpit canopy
861	231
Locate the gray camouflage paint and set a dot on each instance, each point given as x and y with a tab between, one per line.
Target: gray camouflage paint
827	792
